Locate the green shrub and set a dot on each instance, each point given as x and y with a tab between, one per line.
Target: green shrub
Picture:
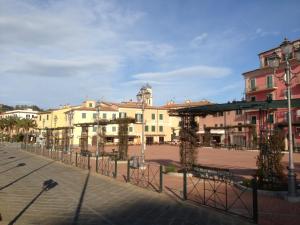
170	168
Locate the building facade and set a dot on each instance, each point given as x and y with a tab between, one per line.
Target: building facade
267	84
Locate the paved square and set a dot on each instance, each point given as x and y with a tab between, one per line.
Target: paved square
85	198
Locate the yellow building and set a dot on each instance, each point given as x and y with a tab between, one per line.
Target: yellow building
73	125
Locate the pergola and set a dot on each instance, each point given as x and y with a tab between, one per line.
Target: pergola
122	122
263	107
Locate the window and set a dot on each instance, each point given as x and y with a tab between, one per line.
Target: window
286	116
90	105
130	129
161	116
94	115
104	129
285	94
83	115
252	84
271	118
221	124
298	131
114	116
139	117
240	127
40	118
27	116
153	116
238	112
122	115
146	128
252	98
253	119
47	117
269	97
94	129
114	129
269	81
153	128
220	113
104	115
216	125
161	128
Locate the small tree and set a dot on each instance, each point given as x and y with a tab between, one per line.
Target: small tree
269	166
188	141
123	136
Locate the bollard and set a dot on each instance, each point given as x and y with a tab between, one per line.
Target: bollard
116	168
128	171
97	166
161	178
254	196
89	166
76	159
184	185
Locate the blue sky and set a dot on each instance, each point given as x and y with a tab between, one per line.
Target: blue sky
62	52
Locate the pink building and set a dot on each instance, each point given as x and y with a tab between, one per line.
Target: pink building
268	83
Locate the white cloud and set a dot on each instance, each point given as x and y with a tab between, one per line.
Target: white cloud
186	73
199	40
148	48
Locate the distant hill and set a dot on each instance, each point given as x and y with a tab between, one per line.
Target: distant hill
4	108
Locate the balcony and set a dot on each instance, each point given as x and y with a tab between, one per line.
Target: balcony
256	89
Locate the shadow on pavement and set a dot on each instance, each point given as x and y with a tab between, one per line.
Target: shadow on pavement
3	164
19	165
20	178
79	205
47	185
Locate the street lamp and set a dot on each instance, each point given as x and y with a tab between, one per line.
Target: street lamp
70	118
274	61
98	131
142	97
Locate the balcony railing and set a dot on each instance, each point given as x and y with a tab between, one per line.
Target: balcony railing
262	88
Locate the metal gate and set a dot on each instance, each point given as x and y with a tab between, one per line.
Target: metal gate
82	162
107	165
217	189
147	175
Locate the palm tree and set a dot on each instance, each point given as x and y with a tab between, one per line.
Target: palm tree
26	124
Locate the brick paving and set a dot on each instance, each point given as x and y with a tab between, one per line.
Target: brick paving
82	197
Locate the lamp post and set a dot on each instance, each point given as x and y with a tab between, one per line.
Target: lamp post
98	131
274	62
70	117
142	97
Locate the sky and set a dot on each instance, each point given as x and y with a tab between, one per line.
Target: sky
56	52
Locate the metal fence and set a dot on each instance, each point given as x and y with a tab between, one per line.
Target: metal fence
222	193
146	175
107	165
213	187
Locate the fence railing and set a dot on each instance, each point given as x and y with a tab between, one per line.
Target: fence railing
146	175
221	192
213	187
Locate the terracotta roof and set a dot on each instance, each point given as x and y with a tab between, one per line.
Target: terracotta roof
82	109
184	105
108	108
273	49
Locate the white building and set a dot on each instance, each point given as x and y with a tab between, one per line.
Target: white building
20	113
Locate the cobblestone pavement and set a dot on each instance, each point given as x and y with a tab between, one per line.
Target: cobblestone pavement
84	198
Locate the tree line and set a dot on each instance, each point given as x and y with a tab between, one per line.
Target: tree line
15	128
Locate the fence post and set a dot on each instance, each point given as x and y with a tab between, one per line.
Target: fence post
161	182
128	171
116	168
254	196
76	159
89	167
184	184
97	164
